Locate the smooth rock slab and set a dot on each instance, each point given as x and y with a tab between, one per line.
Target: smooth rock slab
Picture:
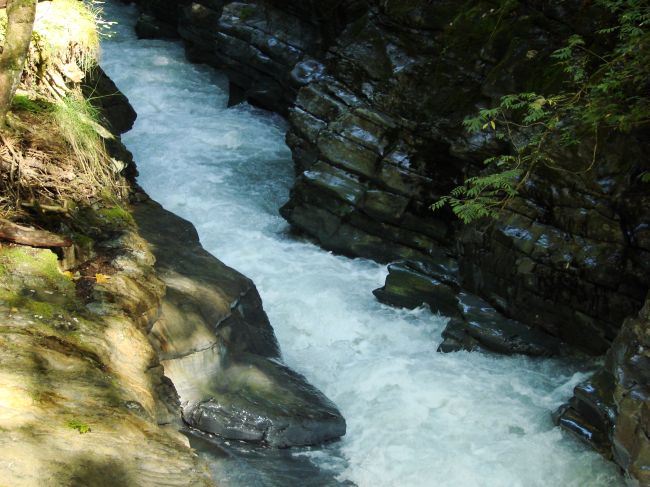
218	347
259	400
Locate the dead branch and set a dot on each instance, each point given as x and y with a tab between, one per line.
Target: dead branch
30	236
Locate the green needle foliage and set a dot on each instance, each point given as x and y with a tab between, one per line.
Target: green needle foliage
607	88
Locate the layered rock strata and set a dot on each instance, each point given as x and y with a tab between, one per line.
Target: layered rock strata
375	97
375	126
612	409
83	397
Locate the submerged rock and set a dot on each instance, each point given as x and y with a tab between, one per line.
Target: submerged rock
220	351
474	323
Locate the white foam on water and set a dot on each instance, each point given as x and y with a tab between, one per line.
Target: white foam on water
415	417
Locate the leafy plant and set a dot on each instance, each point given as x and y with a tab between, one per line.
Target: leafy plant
607	88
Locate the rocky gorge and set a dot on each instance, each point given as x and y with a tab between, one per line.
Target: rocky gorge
375	94
132	330
126	331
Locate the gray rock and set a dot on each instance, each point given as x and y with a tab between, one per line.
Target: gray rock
148	27
408	287
263	401
482	326
219	349
611	410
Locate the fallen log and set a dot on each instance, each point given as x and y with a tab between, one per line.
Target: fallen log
30	236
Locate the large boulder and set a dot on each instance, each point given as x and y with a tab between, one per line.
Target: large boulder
218	347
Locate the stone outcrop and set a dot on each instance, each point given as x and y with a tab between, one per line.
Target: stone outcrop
612	409
212	334
83	398
474	324
93	336
218	347
375	95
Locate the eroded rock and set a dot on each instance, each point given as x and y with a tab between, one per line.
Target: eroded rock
220	351
83	397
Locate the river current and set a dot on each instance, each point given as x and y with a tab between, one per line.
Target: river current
416	418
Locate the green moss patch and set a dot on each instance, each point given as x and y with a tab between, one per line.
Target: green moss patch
116	218
80	426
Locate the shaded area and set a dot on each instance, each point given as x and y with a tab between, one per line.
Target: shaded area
235	464
219	348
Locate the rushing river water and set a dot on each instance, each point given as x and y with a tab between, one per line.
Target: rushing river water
415	417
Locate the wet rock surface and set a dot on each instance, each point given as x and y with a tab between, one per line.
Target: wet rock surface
612	409
474	324
257	400
219	350
375	95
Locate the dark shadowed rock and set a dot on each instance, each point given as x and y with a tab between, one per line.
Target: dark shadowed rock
149	27
474	323
408	287
484	327
118	113
611	410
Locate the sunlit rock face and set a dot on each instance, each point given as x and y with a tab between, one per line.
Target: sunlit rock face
83	399
218	348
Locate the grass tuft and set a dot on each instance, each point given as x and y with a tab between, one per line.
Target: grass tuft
69	30
79	123
55	154
25	103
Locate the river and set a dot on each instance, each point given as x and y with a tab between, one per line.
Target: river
416	418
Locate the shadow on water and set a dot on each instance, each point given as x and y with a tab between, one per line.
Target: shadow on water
241	464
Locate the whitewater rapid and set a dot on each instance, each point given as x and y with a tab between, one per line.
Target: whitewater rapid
416	418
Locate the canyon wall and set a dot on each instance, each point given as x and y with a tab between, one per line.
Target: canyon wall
375	94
